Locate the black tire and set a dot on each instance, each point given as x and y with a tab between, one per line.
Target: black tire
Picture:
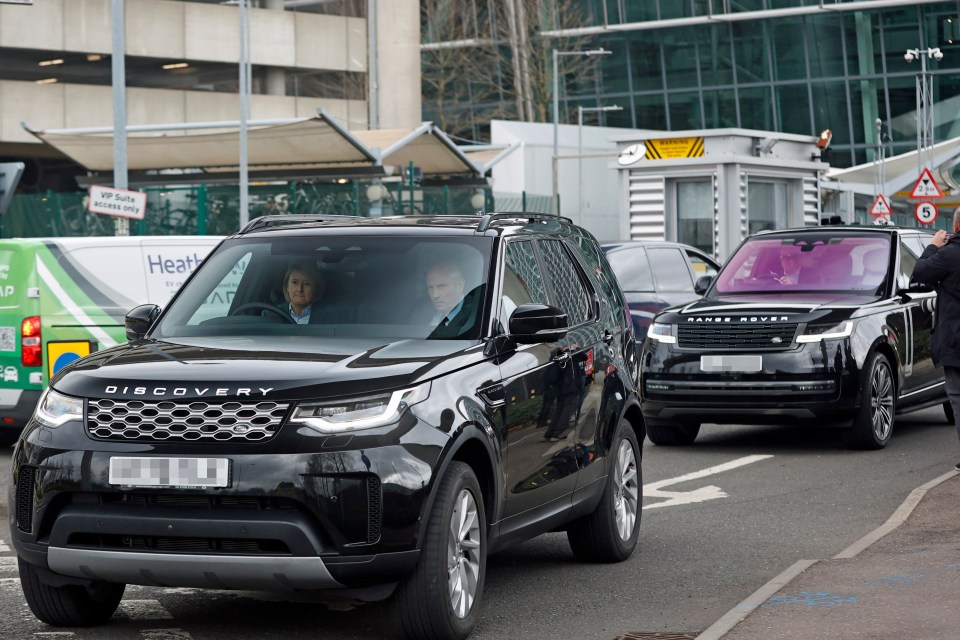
68	605
666	434
948	412
424	601
873	425
610	533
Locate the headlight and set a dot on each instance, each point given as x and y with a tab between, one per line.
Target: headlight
358	413
56	409
662	333
818	332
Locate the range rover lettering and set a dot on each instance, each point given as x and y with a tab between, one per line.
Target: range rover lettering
818	325
463	384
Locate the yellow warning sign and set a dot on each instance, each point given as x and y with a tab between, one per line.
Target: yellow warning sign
60	354
670	148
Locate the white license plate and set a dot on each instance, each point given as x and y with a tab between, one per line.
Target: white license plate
734	364
169	472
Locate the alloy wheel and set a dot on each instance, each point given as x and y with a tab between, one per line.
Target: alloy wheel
881	401
626	491
463	566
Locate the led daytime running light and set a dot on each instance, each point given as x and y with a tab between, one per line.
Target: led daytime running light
842	330
662	333
55	409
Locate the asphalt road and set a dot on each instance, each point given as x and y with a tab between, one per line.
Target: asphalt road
721	518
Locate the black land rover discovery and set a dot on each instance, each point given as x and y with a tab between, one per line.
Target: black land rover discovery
819	325
230	446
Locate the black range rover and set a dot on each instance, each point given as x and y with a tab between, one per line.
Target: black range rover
819	324
372	448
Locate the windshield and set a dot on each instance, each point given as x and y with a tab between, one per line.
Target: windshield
828	261
356	286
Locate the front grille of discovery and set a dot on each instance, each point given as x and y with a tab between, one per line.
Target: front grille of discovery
736	336
136	420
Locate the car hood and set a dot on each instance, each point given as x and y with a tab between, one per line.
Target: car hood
275	368
799	307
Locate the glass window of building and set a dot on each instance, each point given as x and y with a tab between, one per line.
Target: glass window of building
751	50
756	108
695	214
766	205
720	108
651	111
685	111
789	62
715	55
680	58
793	109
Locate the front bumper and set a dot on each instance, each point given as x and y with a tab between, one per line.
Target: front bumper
809	382
303	511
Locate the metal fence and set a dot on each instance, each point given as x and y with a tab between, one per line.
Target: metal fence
215	210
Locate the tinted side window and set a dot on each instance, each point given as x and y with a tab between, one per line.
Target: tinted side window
571	296
670	267
522	280
632	269
908	260
700	266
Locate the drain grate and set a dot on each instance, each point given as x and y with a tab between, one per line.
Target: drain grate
657	635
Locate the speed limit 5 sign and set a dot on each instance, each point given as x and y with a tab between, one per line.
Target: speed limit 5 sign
925	212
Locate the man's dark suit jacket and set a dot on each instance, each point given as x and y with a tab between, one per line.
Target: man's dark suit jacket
461	324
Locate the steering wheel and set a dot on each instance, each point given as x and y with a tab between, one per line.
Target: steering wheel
262	306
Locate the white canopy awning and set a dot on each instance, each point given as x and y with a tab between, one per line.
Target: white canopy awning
309	143
899	172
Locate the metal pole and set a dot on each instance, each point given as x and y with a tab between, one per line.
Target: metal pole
579	159
119	79
373	81
244	116
556	126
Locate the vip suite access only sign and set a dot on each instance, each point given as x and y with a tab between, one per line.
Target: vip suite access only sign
117	202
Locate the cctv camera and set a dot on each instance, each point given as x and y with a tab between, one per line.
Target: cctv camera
937	54
908	56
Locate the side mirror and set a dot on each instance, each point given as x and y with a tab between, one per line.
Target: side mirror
702	284
532	323
137	322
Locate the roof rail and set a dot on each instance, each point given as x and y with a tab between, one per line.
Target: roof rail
290	218
488	219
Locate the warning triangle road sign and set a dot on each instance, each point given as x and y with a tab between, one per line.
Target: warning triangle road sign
926	186
880	207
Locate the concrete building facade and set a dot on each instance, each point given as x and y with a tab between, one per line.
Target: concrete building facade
182	66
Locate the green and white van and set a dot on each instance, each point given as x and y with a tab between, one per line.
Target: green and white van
64	298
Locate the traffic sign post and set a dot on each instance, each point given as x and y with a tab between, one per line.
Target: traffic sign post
926	186
925	212
880	207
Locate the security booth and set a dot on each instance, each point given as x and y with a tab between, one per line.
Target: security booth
712	188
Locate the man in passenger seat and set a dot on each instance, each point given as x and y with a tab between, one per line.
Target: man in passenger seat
451	314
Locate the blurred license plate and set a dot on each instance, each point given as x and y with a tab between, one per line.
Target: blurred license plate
738	364
169	472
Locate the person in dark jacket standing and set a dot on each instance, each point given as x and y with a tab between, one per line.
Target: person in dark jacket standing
939	267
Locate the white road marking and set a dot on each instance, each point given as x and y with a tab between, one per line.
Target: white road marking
165	634
8	565
674	498
54	634
3	546
143	610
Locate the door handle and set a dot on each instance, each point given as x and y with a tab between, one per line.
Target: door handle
562	358
607	337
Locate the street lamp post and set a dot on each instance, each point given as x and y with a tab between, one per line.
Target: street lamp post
554	205
924	103
580	111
